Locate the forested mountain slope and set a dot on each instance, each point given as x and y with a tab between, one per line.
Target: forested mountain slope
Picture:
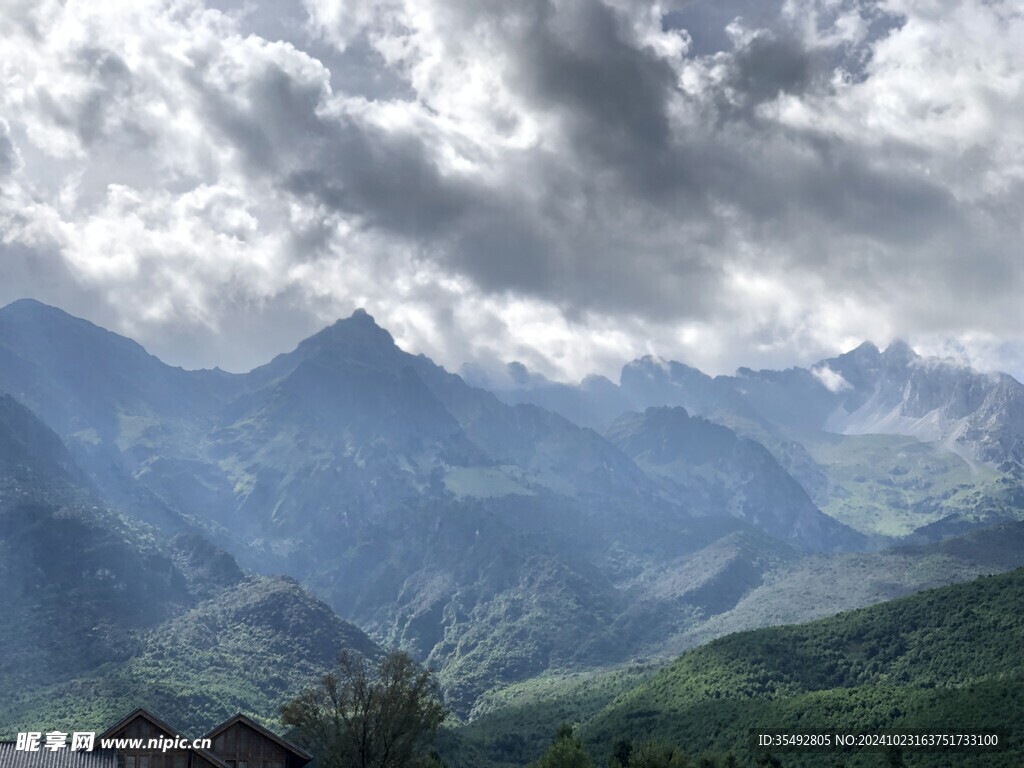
103	613
945	660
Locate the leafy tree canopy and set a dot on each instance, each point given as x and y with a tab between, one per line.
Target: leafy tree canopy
565	751
366	716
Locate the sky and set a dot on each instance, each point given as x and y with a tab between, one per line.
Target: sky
567	183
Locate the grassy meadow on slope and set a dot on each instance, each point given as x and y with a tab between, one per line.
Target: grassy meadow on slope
892	485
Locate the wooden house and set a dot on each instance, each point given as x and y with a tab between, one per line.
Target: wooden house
146	726
239	742
146	741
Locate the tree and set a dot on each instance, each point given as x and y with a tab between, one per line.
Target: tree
658	756
365	716
621	753
433	760
565	751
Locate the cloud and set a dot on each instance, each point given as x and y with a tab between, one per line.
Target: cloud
569	183
831	380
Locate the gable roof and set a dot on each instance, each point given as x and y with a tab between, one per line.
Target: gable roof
161	725
138	712
240	718
62	758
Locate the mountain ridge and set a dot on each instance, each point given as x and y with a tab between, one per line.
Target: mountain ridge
977	417
448	522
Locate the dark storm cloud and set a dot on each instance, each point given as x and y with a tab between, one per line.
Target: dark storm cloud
768	66
632	177
96	114
612	94
623	167
577	157
269	117
388	179
612	98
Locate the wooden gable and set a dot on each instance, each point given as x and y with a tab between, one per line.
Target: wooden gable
144	726
140	724
243	743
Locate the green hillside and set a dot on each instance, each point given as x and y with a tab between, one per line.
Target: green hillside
104	615
512	725
78	580
946	660
892	485
249	649
815	587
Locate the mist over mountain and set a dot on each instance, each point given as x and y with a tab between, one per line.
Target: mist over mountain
948	438
864	391
77	577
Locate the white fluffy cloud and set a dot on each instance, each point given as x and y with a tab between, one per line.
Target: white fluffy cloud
570	183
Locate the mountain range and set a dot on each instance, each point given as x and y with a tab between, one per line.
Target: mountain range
501	537
888	442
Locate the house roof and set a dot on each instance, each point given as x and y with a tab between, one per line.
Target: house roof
61	758
161	725
138	712
240	718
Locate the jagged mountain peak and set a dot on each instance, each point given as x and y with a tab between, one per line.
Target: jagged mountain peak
356	334
649	365
360	326
653	365
655	368
866	348
647	361
899	356
521	376
868	357
899	348
356	338
863	357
